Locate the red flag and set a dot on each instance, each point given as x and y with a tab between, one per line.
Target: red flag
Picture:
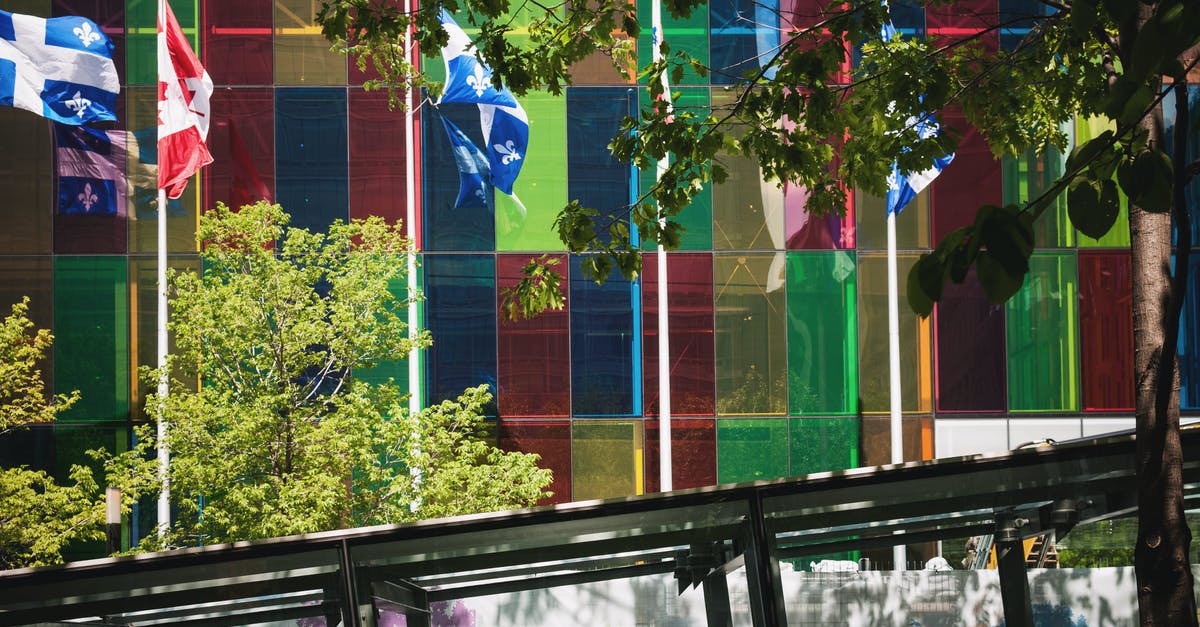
184	88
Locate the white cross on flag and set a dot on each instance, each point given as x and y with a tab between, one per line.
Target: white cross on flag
184	88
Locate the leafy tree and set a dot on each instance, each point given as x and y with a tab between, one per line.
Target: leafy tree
809	126
282	436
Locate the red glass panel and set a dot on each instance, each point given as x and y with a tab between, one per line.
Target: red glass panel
237	41
971	180
690	306
378	182
534	355
242	142
549	438
969	337
948	22
1106	330
693	453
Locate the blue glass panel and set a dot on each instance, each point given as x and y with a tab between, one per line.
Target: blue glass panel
594	177
1192	191
1017	17
741	32
448	227
460	306
603	349
1189	340
908	17
310	155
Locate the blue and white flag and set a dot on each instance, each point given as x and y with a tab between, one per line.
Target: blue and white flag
502	119
59	68
91	168
902	187
474	185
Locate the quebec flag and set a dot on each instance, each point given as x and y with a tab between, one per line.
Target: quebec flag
59	68
91	170
473	175
902	187
504	123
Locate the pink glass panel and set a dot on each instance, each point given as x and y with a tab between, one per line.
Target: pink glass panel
1106	330
971	180
807	232
237	41
693	454
242	142
377	162
534	355
953	21
690	307
549	438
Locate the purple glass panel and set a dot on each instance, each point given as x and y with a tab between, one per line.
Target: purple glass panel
1106	330
690	305
549	438
807	232
971	180
237	41
969	340
693	454
534	355
242	142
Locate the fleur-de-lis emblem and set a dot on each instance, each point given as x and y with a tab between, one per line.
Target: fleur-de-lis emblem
85	34
481	193
478	81
509	151
78	104
893	181
87	198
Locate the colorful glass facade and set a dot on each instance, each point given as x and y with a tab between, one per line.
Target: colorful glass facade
779	320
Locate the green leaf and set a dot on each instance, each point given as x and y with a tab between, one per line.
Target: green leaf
1147	180
630	24
1092	206
998	282
918	299
1086	152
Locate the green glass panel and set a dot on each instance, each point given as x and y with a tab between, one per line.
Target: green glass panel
915	361
141	37
1042	336
696	218
1026	177
822	333
397	371
912	225
751	328
143	337
688	35
542	185
606	459
1118	235
302	54
141	106
749	449
823	444
91	337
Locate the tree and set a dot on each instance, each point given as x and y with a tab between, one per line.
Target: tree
282	435
808	123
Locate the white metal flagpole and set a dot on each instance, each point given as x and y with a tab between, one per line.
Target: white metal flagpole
898	551
164	455
410	199
664	351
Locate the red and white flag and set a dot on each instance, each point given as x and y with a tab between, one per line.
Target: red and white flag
184	88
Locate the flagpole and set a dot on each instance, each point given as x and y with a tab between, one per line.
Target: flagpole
664	349
899	550
410	199
164	455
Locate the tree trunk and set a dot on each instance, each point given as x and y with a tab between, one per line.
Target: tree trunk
1164	577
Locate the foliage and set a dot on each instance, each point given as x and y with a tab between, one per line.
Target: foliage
281	437
22	397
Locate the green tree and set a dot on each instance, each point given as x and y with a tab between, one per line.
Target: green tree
1084	58
280	436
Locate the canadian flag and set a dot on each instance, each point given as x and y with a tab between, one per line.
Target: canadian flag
184	89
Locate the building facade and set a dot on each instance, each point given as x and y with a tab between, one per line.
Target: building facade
778	319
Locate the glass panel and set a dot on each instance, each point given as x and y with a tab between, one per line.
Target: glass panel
743	34
26	158
143	336
397	371
92	190
302	55
1043	349
749	449
471	227
378	185
542	185
822	334
970	181
1192	191
1025	178
242	142
142	166
912	225
604	345
873	339
91	336
693	453
969	337
606	459
71	443
594	177
141	21
1118	235
549	438
916	431
237	42
822	444
968	437
689	35
461	315
696	218
30	276
690	310
949	23
805	15
32	447
1023	431
1016	20
747	211
108	14
310	152
751	334
534	355
806	232
1106	330
1189	343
